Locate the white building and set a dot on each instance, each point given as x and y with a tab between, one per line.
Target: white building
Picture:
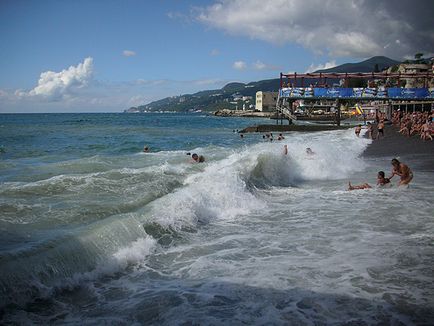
266	101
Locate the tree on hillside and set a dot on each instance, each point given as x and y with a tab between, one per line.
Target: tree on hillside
418	57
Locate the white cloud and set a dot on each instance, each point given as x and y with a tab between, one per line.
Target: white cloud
3	93
327	65
128	53
102	96
214	52
60	85
75	89
354	28
150	82
208	82
179	16
239	65
259	65
137	100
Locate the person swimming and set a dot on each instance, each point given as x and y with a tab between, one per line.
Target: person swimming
381	179
309	151
198	158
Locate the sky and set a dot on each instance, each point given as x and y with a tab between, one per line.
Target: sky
109	55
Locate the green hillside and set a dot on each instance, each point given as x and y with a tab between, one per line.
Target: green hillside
229	96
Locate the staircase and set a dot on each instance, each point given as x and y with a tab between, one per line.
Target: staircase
282	108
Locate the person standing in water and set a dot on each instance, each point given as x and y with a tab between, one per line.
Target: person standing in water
357	130
380	128
401	170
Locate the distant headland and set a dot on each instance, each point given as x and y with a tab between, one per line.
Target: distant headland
238	96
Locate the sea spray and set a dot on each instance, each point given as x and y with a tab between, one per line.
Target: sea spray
217	190
95	231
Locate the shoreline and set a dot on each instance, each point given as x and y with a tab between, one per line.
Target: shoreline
291	127
413	149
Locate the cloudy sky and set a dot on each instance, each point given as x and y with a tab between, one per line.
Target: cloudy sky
105	56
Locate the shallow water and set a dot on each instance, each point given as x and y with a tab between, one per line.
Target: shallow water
93	231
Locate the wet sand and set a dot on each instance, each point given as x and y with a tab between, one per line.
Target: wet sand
402	147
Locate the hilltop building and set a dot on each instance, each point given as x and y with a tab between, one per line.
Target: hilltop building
266	101
414	68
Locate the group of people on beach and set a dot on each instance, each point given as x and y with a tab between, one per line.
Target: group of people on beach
416	123
398	168
373	131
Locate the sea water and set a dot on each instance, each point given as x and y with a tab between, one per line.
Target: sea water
94	231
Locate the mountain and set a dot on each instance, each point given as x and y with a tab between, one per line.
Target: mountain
229	96
370	65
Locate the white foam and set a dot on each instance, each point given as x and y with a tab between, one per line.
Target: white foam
221	189
134	253
215	192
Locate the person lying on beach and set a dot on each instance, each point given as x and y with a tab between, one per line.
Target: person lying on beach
358	187
403	171
381	181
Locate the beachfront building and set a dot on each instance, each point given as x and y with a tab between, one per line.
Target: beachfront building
414	68
266	101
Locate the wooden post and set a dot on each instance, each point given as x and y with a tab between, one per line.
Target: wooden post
389	111
338	113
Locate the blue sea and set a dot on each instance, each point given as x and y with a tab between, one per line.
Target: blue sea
93	231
